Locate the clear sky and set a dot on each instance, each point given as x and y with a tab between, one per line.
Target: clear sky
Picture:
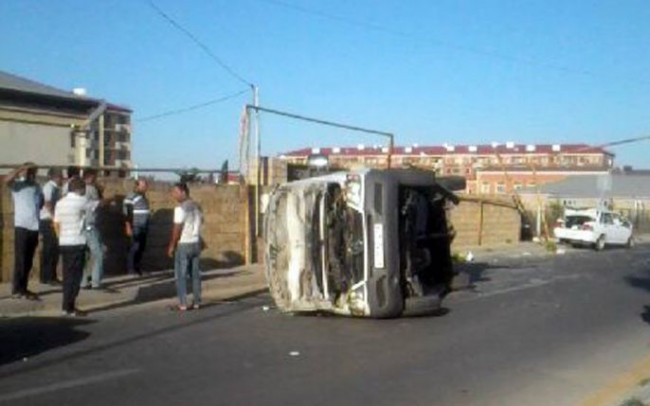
431	71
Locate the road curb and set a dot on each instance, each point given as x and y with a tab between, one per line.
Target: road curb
209	296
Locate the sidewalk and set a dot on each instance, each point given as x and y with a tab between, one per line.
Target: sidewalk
122	291
487	253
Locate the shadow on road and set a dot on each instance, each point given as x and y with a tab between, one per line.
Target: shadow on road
471	274
188	319
641	281
646	314
25	337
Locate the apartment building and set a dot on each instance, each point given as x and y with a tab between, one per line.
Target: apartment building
489	169
54	127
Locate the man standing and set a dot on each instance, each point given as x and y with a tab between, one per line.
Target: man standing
50	251
136	210
185	240
92	278
72	172
69	217
28	201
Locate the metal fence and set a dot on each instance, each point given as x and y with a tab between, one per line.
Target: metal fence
640	218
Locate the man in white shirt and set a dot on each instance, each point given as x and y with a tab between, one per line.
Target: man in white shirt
69	216
50	250
185	241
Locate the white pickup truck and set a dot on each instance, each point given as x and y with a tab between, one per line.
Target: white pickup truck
593	227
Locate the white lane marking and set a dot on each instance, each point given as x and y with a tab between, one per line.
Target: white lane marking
67	384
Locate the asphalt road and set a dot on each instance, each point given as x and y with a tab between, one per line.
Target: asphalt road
532	331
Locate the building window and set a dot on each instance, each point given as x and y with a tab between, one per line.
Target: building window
532	184
501	187
517	186
485	187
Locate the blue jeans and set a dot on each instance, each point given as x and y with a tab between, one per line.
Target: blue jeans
187	260
96	272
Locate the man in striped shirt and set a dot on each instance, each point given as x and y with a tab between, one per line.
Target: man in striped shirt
136	210
94	270
69	216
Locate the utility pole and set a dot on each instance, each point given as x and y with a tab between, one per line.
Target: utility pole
256	130
258	159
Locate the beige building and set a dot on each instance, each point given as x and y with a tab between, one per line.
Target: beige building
53	127
489	169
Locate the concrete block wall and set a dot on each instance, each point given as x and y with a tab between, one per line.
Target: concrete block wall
278	172
485	222
225	209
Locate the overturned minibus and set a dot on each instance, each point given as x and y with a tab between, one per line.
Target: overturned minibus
370	243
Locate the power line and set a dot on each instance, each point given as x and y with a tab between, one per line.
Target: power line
190	108
431	41
199	43
625	141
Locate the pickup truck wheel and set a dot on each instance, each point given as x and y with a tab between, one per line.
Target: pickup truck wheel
600	243
630	242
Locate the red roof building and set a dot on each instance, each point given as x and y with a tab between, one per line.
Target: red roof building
488	168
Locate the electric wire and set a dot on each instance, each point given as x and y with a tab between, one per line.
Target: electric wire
199	43
190	108
428	40
622	142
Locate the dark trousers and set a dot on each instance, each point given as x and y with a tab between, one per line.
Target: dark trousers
25	243
49	252
138	245
74	258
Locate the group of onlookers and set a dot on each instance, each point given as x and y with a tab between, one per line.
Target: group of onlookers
65	212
